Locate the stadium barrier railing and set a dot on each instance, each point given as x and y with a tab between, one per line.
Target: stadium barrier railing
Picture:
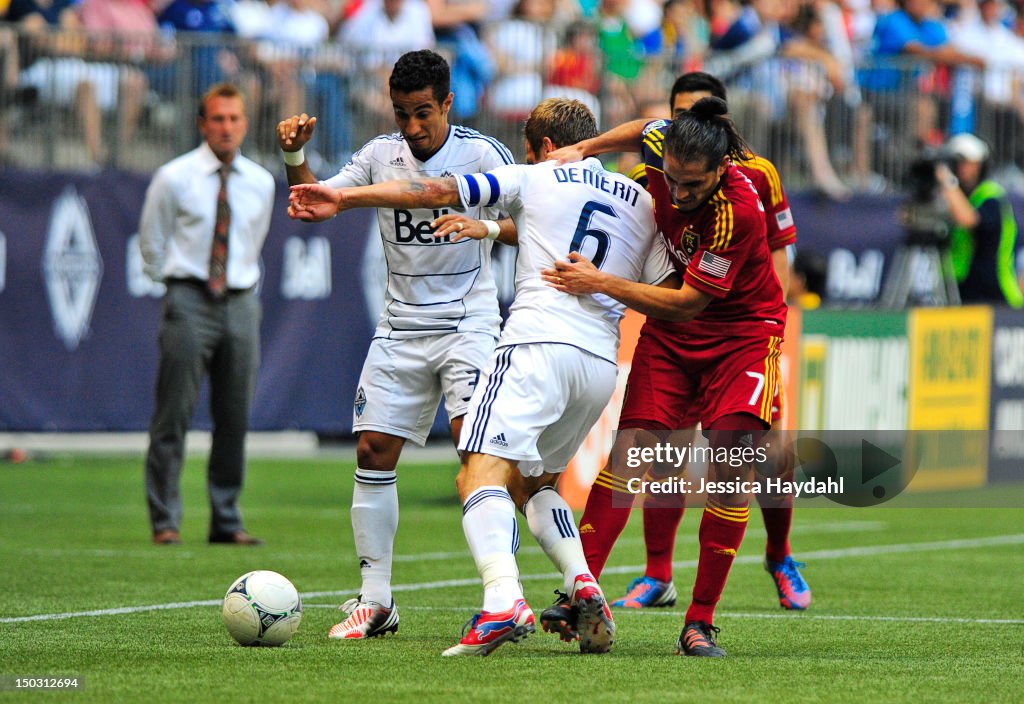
869	129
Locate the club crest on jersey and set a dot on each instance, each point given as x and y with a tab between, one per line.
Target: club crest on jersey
360	403
690	242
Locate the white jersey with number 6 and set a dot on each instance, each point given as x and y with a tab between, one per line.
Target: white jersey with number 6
434	286
571	207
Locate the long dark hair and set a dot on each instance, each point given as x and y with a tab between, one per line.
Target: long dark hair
705	133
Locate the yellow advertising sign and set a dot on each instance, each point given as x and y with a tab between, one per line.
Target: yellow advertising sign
950	358
950	363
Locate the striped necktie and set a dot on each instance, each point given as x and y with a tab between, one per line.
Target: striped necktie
217	283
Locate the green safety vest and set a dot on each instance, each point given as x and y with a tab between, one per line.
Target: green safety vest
962	243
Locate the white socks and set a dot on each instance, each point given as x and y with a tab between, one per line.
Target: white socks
551	522
489	522
374	524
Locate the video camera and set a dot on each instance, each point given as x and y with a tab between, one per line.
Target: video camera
925	215
921	184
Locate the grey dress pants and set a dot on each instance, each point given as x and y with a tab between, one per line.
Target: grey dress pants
200	335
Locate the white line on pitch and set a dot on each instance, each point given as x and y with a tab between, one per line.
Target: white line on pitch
174	553
816	528
113	612
871	550
843	617
859	551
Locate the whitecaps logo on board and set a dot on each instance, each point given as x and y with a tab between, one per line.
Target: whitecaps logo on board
72	267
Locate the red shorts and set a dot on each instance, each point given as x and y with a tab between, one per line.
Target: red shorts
677	380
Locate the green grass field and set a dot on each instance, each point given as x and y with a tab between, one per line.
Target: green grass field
910	604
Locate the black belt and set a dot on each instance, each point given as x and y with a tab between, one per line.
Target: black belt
199	283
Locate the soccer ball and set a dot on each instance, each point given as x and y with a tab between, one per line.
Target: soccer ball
262	608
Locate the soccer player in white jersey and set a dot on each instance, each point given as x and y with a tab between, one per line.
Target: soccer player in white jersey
440	319
554	368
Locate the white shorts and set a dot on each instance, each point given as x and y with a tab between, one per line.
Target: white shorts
58	79
536	403
403	380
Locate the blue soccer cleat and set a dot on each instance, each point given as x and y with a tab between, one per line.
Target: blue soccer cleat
794	594
646	592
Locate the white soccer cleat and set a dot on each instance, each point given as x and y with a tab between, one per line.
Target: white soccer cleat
594	621
366	619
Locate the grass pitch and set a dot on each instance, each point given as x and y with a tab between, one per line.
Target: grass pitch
910	604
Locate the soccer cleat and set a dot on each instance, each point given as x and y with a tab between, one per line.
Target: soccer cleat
487	630
560	618
366	619
698	640
644	592
594	621
793	590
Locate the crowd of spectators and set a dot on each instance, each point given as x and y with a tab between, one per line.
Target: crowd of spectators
794	67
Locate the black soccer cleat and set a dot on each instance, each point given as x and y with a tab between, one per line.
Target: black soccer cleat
698	640
560	618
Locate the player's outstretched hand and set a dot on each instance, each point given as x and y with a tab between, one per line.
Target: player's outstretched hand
459	227
293	132
577	276
564	155
314	202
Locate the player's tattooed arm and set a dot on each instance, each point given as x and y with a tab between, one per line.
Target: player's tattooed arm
669	300
315	201
417	193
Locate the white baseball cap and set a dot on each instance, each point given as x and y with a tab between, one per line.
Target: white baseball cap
967	147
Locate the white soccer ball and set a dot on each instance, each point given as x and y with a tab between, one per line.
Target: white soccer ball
262	608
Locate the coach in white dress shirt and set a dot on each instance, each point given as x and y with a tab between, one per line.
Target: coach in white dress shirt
204	221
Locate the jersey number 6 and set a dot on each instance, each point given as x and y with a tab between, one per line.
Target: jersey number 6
584	230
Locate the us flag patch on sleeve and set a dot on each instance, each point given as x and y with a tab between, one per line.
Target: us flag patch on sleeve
714	265
784	218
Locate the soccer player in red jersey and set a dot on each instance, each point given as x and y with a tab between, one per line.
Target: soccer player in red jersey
712	344
662	512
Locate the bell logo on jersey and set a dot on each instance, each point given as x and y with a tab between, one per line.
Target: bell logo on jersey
409	232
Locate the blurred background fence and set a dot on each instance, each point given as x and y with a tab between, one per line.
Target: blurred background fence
87	101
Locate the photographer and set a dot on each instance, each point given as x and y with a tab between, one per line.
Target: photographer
984	231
